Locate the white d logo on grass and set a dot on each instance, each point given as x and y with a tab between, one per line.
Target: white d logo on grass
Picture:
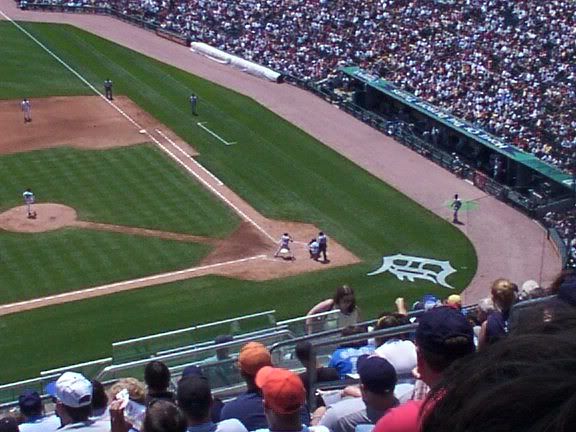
411	268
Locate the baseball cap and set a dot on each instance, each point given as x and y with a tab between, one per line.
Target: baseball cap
73	390
438	325
376	374
252	357
30	402
192	370
454	301
282	390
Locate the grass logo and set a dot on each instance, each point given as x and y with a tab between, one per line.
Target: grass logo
411	268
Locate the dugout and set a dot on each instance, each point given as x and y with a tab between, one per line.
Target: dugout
495	166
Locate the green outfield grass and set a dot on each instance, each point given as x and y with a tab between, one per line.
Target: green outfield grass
279	169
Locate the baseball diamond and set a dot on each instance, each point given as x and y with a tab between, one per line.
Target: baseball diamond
116	205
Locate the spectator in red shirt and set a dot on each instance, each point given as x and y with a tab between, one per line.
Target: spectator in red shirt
443	336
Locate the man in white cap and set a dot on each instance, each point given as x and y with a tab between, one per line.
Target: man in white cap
73	394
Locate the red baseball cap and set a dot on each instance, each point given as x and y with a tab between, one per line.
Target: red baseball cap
282	389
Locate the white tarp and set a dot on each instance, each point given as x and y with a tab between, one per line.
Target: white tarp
237	62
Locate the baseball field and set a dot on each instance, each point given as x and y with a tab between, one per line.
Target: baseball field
137	187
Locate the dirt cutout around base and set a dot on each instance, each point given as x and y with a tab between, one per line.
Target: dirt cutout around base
91	122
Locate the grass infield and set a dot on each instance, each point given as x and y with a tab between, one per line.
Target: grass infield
279	169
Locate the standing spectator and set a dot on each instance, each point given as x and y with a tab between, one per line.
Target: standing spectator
504	295
284	399
32	409
345	301
157	379
195	399
248	406
443	336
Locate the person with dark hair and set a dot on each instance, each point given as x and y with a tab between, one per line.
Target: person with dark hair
194	397
157	379
323	246
284	398
398	350
346	355
248	406
345	301
99	401
32	410
9	424
73	394
533	373
504	294
164	416
456	206
303	353
443	337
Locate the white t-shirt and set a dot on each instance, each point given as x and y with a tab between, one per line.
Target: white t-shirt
400	353
43	424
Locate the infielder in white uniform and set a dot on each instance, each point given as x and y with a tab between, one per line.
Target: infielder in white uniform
284	246
29	199
27	110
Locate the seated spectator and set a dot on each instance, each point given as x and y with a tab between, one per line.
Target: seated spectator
377	383
73	393
398	350
9	424
99	401
532	373
504	294
323	374
284	398
217	403
161	416
345	357
454	301
194	397
157	379
136	390
443	337
344	300
248	406
32	410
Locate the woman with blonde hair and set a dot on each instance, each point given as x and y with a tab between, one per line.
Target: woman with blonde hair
504	295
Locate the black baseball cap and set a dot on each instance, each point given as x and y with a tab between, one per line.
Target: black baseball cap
438	326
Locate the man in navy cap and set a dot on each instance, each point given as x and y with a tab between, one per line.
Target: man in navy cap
443	336
377	382
32	410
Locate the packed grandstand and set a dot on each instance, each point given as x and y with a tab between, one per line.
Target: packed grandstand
507	67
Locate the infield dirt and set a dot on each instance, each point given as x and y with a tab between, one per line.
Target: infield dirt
91	122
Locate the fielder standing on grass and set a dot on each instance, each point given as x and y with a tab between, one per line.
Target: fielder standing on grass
27	110
29	199
193	104
108	89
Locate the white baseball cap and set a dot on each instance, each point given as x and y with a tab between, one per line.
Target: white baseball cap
74	390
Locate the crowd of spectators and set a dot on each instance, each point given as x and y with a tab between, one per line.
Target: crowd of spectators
565	225
460	367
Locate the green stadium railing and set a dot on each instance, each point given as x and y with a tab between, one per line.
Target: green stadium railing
147	346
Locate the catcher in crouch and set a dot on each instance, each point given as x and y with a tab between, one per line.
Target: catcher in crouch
284	247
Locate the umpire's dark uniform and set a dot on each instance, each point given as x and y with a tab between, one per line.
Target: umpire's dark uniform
322	245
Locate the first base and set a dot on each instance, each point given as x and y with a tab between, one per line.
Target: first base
142	131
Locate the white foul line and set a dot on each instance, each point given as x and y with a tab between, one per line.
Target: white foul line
202	167
131	120
128	282
214	134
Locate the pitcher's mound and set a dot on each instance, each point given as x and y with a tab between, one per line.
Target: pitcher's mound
49	217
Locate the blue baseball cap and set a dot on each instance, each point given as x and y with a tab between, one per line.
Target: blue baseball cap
376	374
438	326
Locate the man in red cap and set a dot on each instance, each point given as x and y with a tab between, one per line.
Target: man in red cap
248	406
283	397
